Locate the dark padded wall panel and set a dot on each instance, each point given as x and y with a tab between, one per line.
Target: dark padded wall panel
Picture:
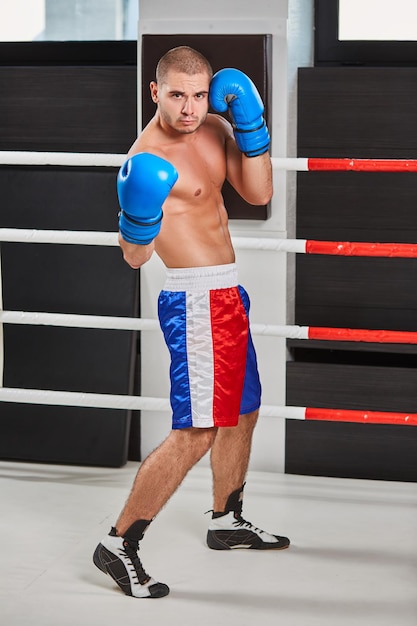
59	198
357	292
74	109
64	435
320	447
374	451
366	112
362	113
249	53
357	206
66	109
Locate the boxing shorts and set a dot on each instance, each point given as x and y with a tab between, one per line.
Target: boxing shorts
204	315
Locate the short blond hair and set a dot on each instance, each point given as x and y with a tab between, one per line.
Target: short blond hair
185	60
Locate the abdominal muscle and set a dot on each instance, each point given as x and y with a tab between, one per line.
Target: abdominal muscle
194	230
196	236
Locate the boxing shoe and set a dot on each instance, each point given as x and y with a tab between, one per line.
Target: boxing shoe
229	531
118	557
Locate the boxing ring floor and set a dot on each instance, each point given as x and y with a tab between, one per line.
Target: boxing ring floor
353	558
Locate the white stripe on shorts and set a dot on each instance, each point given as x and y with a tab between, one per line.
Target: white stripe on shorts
200	358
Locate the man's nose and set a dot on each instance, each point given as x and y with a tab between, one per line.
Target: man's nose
188	106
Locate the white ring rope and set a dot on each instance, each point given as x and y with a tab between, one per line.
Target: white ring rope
77	321
142	403
126	323
92	159
92	238
81	237
303	164
108	401
74	159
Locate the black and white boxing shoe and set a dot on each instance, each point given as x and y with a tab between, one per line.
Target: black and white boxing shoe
118	557
229	531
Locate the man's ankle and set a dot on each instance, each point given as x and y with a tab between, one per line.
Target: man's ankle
134	533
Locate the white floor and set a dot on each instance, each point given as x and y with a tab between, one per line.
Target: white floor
353	558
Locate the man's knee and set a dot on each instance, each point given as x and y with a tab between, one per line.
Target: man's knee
197	440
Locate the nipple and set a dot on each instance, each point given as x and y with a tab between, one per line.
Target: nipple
197	192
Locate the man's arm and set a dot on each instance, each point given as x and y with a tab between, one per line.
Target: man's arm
143	184
249	167
134	254
251	177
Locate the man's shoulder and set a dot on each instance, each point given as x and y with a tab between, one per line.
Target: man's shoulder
148	140
216	120
220	124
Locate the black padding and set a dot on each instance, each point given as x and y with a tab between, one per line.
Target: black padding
355	112
370	383
91	280
63	435
68	109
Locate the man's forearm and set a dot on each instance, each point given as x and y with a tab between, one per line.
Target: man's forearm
134	254
257	178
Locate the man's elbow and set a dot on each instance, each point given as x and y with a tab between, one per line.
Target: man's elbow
134	262
266	198
135	255
260	198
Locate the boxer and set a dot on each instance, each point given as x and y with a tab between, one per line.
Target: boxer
171	203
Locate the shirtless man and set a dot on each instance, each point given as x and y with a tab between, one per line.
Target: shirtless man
180	161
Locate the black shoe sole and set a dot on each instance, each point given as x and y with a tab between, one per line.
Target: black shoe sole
221	540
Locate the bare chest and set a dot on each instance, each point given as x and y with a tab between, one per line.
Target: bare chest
201	172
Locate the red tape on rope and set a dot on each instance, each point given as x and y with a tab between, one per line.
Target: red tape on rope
364	417
362	165
347	248
359	334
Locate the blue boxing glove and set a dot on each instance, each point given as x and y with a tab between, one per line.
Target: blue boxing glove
231	88
143	184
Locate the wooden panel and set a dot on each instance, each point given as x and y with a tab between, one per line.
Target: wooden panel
362	113
59	197
383	452
357	206
356	292
66	109
74	109
374	452
66	279
357	112
383	350
63	435
249	53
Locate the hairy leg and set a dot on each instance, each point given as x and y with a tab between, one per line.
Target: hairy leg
162	472
230	458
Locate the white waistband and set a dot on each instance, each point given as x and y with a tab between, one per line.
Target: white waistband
201	278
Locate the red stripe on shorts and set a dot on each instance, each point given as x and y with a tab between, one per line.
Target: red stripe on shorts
230	326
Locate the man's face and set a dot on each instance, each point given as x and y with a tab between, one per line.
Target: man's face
182	100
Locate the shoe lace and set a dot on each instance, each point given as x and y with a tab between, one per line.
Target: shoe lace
131	552
239	522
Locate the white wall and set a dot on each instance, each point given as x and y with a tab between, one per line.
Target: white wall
300	54
264	274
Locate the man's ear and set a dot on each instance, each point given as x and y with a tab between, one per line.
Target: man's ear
154	91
